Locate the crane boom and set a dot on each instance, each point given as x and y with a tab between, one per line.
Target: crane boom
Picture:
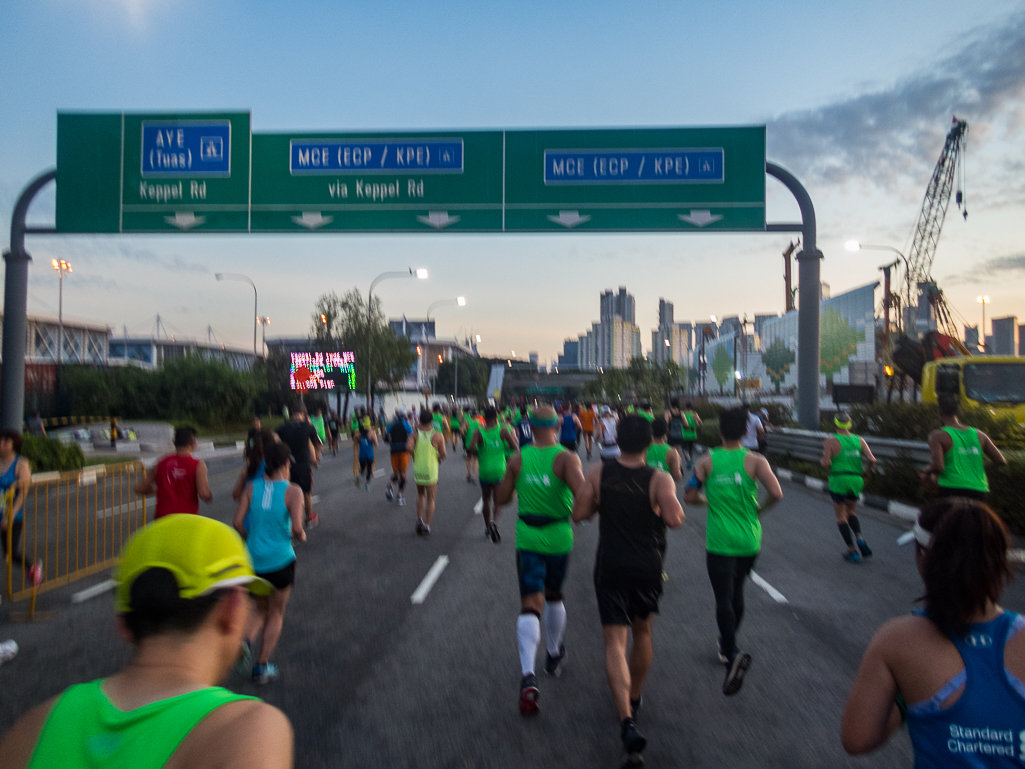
934	206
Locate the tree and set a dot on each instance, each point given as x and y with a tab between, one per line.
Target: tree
722	366
777	360
343	322
473	378
693	378
839	342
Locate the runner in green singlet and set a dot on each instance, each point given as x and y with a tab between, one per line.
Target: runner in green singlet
428	451
354	440
491	443
957	453
660	454
182	599
841	455
317	420
454	424
733	535
546	477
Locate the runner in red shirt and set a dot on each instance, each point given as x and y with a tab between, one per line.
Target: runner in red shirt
179	480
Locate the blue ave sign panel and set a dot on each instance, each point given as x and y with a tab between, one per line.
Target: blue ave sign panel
375	156
635	166
186	148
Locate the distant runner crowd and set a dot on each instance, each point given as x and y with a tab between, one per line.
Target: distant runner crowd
197	598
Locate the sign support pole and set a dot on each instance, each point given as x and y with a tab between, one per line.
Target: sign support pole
810	292
12	386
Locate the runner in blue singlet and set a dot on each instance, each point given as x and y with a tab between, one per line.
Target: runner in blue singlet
953	673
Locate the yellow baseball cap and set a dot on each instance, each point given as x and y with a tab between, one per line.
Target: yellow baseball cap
203	554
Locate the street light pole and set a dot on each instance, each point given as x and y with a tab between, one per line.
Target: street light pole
983	300
459	301
853	245
61	267
263	322
422	275
256	299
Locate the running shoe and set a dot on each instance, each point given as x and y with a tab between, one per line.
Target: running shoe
555	664
852	556
866	551
388	493
427	530
368	486
8	651
529	695
496	535
402	501
735	674
356	481
722	657
635	706
264	674
633	743
419	527
35	574
245	658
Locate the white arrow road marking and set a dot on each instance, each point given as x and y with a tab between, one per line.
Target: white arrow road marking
478	509
569	218
91	592
420	594
311	220
438	219
700	217
776	596
185	220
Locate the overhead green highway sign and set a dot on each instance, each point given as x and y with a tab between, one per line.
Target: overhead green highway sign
209	173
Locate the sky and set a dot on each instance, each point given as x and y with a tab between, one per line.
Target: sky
856	98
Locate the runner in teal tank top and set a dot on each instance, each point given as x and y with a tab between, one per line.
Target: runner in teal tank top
958	453
733	534
841	455
128	720
546	478
491	443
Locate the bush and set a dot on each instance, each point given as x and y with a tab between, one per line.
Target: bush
208	393
898	480
46	454
708	434
914	421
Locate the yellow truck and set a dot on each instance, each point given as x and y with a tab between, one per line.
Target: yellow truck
996	382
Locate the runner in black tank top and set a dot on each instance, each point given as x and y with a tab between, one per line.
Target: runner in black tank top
632	540
636	503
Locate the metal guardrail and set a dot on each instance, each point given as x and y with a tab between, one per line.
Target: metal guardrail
807	445
74	525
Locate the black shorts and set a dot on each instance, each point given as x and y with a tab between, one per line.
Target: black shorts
571	445
677	443
688	446
620	605
947	491
281	578
843	498
302	474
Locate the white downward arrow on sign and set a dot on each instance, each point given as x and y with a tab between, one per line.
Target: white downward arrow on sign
311	220
569	218
185	220
438	219
701	217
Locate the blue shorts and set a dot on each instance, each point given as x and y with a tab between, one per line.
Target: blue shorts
539	573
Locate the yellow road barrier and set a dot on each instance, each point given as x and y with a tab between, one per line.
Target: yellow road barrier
73	524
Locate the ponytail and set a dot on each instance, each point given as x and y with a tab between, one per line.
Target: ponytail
965	565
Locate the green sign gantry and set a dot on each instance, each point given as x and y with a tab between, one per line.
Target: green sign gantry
209	173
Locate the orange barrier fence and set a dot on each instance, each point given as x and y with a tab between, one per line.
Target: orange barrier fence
72	525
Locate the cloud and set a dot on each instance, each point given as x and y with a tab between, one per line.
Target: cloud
894	132
997	267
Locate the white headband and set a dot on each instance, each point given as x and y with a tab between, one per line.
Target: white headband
922	537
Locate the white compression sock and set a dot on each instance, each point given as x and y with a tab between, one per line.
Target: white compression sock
555	626
528	634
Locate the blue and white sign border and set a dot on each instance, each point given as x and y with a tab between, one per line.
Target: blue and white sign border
636	182
188	174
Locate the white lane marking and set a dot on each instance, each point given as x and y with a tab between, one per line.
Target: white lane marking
478	508
776	596
379	473
420	594
906	537
91	592
785	474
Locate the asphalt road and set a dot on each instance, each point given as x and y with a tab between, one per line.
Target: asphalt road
371	679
